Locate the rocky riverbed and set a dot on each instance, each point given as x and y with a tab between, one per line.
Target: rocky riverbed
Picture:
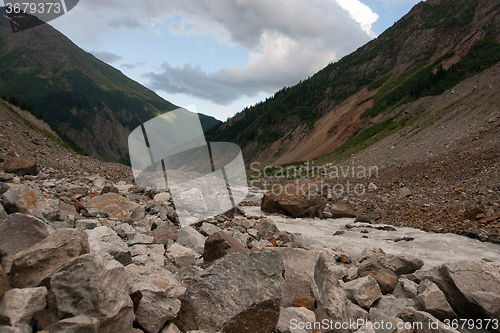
86	254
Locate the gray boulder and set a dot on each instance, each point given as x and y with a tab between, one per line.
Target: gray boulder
106	240
332	301
405	288
160	295
240	292
299	273
393	306
209	229
95	285
19	232
3	214
25	200
32	266
20	304
431	299
190	238
363	291
298	315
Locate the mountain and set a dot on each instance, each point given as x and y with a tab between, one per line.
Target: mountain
365	96
88	101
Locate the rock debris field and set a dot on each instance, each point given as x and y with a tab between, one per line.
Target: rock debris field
85	254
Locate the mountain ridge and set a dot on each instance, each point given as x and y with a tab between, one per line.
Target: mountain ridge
91	102
423	54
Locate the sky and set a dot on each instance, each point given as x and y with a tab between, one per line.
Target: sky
224	55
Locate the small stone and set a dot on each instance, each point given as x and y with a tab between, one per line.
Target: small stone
87	224
340	211
405	192
209	229
106	240
220	244
364	219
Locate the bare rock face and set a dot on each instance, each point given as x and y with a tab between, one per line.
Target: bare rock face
431	299
160	295
78	324
386	278
220	244
33	266
363	291
20	304
19	232
95	285
117	207
305	199
239	293
21	166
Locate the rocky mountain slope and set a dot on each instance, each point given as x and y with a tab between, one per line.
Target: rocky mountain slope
92	103
377	90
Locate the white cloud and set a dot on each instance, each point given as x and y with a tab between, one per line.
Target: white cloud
287	41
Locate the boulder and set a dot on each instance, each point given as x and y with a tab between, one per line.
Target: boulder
190	238
117	207
192	200
266	228
364	219
160	295
181	256
405	288
391	324
21	166
209	229
19	232
95	285
20	304
162	198
78	324
392	306
106	240
289	316
400	264
148	254
340	211
431	299
6	177
220	244
386	278
304	301
32	266
163	234
331	299
471	287
25	200
299	273
363	291
239	293
303	199
22	328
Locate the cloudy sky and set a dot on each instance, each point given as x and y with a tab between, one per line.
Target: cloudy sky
223	55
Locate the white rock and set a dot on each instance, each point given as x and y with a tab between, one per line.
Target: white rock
106	240
192	200
20	304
